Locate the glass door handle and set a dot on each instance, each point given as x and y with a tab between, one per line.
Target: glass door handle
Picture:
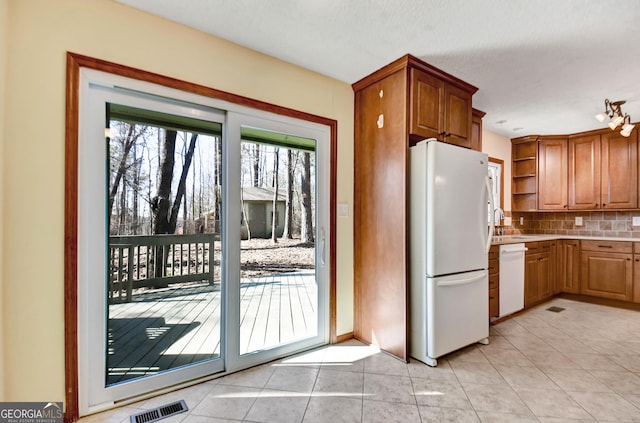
322	247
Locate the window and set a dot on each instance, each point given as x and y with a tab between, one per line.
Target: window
497	183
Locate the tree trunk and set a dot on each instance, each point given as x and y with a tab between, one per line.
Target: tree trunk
161	203
137	168
122	220
288	210
244	215
307	213
274	214
173	219
256	165
217	182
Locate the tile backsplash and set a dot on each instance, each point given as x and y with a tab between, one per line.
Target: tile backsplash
594	223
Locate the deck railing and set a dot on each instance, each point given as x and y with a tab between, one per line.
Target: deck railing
156	261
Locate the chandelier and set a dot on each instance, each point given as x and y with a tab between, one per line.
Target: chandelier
613	111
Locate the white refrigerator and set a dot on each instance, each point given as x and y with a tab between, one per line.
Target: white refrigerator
450	237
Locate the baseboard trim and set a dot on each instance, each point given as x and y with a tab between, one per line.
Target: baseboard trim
344	337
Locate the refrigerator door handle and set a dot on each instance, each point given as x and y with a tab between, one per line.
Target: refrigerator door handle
487	183
463	281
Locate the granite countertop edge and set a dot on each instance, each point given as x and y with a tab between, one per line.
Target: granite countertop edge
516	239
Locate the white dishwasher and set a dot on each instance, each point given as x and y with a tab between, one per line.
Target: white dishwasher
511	278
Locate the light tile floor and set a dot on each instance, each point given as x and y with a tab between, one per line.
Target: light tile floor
582	364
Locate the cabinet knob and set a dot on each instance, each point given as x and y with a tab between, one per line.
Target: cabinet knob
565	206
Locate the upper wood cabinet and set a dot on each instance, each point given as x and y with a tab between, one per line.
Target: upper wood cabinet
440	109
584	172
395	107
603	171
552	173
619	188
476	129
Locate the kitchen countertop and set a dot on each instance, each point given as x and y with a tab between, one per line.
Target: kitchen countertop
514	239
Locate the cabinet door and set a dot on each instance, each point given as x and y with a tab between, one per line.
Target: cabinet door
427	105
457	121
476	129
569	267
584	172
607	275
545	276
619	171
552	174
531	279
552	274
636	278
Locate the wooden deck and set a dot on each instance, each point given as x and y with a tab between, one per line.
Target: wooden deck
165	329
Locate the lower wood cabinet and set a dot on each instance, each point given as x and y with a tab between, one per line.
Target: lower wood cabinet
540	272
569	266
607	269
636	272
494	281
604	269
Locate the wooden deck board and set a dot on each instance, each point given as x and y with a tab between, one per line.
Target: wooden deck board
162	330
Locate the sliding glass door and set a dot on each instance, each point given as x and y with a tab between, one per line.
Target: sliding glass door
150	277
278	289
202	238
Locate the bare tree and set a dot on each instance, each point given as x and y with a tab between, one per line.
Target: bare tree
274	214
127	143
307	212
217	184
288	209
161	203
173	220
256	165
137	169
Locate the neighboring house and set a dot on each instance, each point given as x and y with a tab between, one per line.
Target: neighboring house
258	212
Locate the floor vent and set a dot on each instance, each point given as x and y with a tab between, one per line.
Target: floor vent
555	309
160	413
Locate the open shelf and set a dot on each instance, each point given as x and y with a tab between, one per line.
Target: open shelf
524	180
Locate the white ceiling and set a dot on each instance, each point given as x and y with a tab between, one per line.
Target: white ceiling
541	66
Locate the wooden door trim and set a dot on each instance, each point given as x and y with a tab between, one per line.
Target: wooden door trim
74	63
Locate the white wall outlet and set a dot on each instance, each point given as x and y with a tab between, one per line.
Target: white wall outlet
636	221
507	221
521	220
579	221
343	210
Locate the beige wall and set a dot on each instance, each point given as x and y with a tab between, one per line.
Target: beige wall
499	147
40	33
4	21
